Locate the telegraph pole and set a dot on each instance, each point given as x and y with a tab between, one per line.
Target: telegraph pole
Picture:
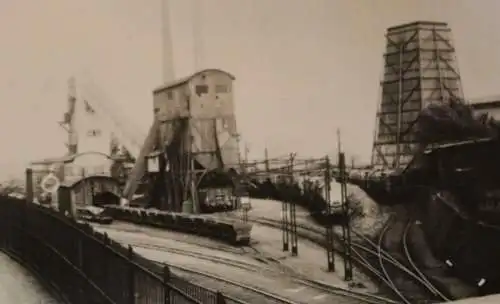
246	153
284	224
293	213
346	227
266	161
284	214
330	250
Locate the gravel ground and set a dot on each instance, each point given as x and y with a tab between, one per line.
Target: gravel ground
493	299
312	258
275	283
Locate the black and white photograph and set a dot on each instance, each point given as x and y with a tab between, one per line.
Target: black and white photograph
249	151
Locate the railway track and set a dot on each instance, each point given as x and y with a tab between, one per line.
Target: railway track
203	256
403	264
236	292
340	293
172	235
361	255
376	260
415	267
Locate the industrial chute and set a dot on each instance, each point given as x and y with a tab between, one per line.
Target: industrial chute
139	168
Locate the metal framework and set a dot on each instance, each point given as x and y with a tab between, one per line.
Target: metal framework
68	123
330	246
346	223
420	69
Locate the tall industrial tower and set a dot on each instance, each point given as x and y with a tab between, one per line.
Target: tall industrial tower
167	47
420	69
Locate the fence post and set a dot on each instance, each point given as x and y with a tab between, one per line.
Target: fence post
220	298
80	264
131	277
166	285
105	264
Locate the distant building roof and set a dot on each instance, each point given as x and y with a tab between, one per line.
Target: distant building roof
184	80
474	141
417	23
48	161
77	180
488	102
69	158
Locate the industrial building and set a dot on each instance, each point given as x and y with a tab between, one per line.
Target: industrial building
193	136
488	105
419	69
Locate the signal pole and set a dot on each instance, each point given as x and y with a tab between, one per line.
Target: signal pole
330	250
284	224
346	227
246	154
266	161
293	213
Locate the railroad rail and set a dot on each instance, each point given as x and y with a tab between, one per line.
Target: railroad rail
363	255
247	266
416	269
250	294
410	270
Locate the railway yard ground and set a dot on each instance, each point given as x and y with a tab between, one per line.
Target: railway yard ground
259	273
397	273
492	299
263	273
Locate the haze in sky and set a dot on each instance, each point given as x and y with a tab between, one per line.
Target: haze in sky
303	67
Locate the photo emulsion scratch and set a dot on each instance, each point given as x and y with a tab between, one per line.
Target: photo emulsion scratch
259	151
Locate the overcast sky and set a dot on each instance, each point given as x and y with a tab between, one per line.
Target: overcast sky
302	67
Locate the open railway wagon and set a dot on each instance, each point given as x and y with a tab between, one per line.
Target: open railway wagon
190	156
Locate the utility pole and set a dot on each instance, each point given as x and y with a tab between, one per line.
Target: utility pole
246	154
245	206
339	145
293	213
266	160
346	227
284	224
284	212
238	139
330	250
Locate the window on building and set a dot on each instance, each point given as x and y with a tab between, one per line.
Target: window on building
201	89
170	95
94	133
220	88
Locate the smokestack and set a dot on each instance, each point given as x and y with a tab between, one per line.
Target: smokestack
167	48
197	35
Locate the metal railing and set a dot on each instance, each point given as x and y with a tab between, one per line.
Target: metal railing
85	266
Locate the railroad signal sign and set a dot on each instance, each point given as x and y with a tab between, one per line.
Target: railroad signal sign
245	203
50	183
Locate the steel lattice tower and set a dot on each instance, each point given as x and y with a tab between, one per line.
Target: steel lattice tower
420	68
